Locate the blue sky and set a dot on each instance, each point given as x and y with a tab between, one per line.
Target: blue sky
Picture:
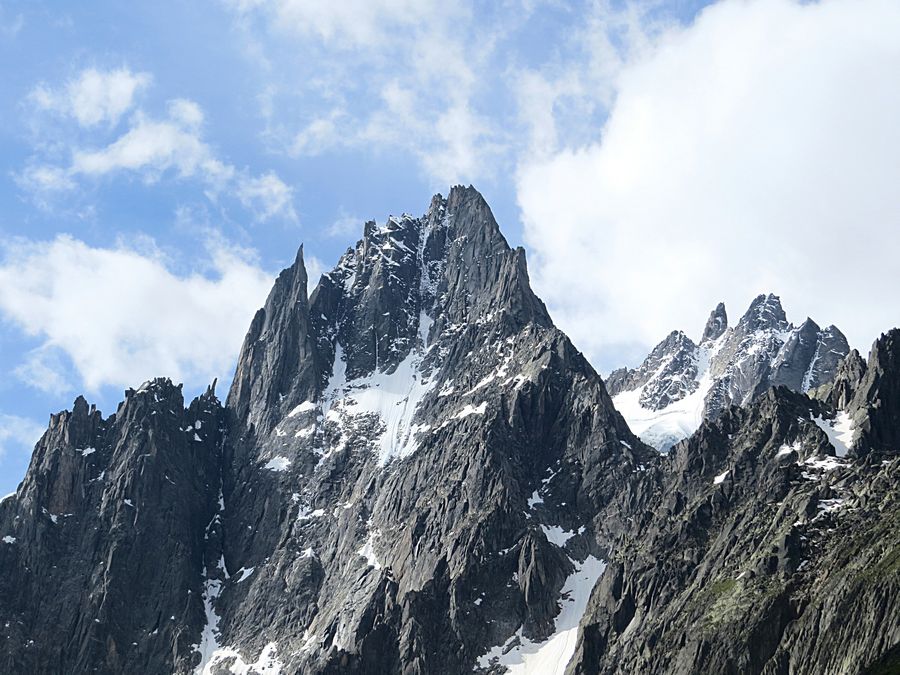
162	161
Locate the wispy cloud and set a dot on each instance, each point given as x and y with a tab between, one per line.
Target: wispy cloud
388	74
10	26
152	147
18	433
464	88
267	195
345	226
93	96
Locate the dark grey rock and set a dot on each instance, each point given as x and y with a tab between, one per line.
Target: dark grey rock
716	324
508	409
109	527
667	375
279	366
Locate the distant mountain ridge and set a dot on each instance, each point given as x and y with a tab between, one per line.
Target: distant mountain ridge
768	542
681	383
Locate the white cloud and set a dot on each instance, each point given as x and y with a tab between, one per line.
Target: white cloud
45	178
268	195
464	145
10	26
315	268
186	112
319	135
122	315
388	75
345	226
44	370
18	432
94	96
753	150
152	145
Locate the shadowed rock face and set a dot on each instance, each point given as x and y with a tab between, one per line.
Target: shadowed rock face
279	362
716	324
106	537
410	474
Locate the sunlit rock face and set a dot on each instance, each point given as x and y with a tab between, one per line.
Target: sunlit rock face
682	383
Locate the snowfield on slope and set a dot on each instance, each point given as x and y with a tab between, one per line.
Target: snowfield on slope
664	428
521	656
393	397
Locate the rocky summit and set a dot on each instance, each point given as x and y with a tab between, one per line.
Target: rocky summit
681	383
415	471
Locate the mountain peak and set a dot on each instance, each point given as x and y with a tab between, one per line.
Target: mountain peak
277	363
715	324
765	311
679	383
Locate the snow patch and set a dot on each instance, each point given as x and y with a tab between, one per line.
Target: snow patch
367	550
721	477
788	449
244	573
829	505
266	664
472	410
664	428
278	464
521	656
556	535
392	397
823	463
839	432
9	540
306	406
209	639
305	514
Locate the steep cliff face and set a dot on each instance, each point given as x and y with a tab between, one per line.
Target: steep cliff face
408	476
103	543
279	362
772	547
428	497
681	383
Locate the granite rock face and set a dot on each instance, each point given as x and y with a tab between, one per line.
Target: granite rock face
403	501
104	541
681	383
